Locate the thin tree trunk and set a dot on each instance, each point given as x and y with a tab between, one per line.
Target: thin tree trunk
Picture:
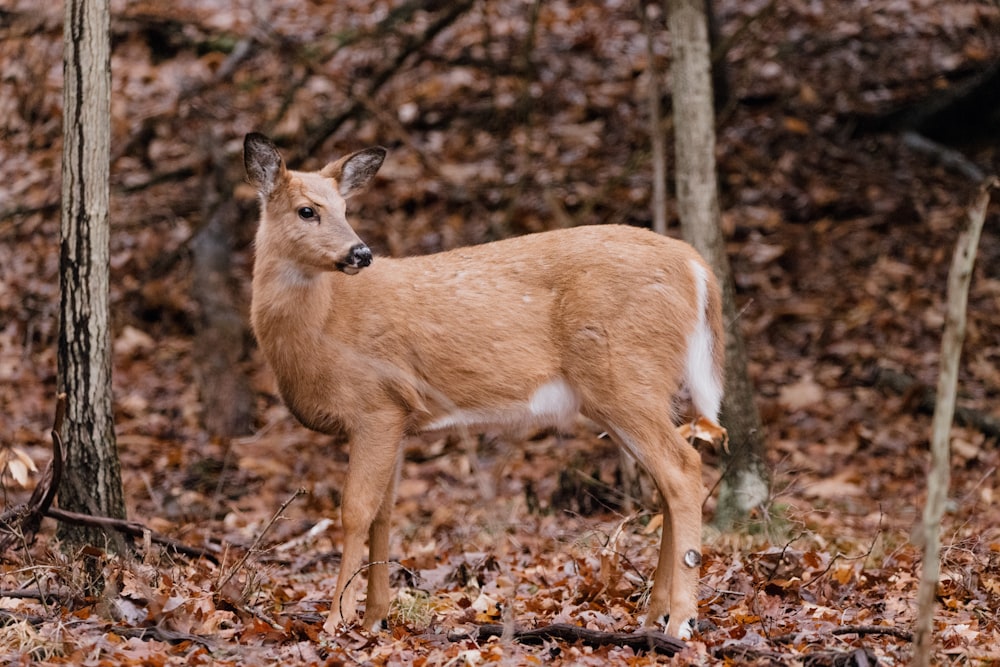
720	74
221	333
91	482
657	137
939	476
745	483
226	399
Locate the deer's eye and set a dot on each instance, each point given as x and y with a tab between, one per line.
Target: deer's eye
307	213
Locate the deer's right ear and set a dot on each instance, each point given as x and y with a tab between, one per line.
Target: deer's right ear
262	161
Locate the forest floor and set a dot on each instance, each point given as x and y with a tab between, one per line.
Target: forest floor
504	122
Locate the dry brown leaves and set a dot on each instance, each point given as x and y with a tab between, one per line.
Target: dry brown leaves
841	242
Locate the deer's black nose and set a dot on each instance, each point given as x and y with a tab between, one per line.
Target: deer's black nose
360	256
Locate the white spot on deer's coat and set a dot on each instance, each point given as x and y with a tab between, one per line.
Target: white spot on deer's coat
555	399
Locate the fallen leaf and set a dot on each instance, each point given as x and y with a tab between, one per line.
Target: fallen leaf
801	394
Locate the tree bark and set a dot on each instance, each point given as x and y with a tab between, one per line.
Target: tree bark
91	481
745	483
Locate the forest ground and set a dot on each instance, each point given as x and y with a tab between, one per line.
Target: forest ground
841	234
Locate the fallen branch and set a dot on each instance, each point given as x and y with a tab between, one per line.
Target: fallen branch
859	657
163	635
744	653
898	633
859	630
130	528
925	398
33	594
644	641
947	157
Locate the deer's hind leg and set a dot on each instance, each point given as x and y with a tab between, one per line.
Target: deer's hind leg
675	467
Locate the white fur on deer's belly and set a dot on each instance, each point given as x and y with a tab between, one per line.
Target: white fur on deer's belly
554	403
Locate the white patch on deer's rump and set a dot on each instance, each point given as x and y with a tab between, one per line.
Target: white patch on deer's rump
702	378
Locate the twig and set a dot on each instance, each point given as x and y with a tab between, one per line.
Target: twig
948	157
718	54
340	601
839	555
8	617
53	473
744	654
34	572
239	564
395	128
316	136
642	641
181	173
261	616
22	522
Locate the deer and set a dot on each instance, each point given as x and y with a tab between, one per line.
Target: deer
607	321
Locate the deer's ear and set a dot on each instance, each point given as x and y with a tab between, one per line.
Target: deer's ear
355	172
263	162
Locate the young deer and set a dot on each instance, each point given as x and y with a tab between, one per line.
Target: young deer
608	321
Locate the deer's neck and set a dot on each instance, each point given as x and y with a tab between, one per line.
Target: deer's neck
288	301
290	311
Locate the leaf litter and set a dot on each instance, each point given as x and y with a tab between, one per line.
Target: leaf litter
840	244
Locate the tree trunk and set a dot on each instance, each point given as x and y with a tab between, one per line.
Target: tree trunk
91	481
745	482
221	333
657	136
720	74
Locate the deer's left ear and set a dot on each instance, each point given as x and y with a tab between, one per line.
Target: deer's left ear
355	172
263	162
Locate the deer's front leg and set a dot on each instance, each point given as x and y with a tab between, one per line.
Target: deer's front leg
377	601
370	477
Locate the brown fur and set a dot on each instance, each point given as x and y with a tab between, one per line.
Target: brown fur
470	335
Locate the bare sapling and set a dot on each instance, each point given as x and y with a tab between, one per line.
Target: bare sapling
609	321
